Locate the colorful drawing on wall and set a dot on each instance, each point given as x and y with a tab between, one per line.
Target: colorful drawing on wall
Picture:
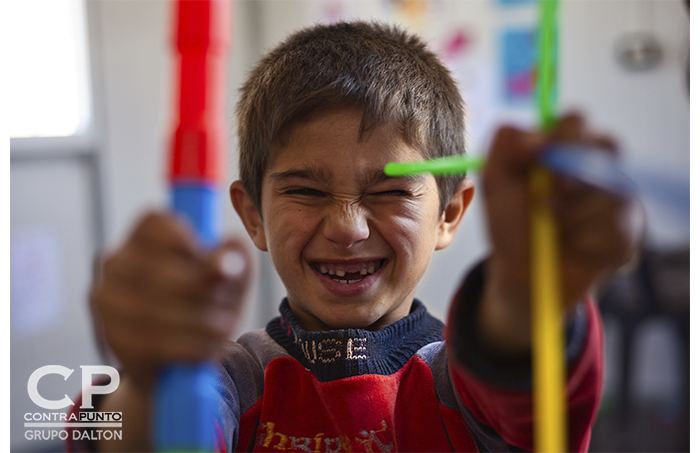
475	76
457	43
518	60
331	11
416	14
410	8
515	2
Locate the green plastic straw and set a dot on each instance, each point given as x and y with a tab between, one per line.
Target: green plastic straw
547	77
443	166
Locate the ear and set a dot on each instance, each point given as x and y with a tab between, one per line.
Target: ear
249	215
454	212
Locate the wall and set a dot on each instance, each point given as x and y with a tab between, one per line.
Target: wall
647	111
136	63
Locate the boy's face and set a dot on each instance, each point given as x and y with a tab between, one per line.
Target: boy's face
349	243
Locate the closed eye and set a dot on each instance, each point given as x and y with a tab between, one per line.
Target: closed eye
400	193
304	191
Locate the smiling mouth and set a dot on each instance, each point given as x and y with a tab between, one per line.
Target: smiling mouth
348	274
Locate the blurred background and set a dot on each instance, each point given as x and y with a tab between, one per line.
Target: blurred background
90	104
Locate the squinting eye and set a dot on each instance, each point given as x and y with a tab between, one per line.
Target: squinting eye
304	191
400	193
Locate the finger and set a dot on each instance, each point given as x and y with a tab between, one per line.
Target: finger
159	275
605	142
570	128
512	152
229	266
575	203
144	330
202	314
599	236
159	231
573	128
230	260
597	247
157	346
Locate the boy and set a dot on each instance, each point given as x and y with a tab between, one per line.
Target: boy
354	362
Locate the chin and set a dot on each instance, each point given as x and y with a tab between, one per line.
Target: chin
344	316
346	323
364	322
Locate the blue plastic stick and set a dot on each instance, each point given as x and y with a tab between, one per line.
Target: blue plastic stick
200	203
185	407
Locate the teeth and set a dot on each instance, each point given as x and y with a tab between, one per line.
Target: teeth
329	270
349	282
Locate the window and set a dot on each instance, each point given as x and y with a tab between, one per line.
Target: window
49	60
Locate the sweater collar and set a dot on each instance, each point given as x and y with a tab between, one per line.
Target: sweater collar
336	354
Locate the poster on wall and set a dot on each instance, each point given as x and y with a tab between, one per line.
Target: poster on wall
518	66
507	3
475	75
331	11
416	14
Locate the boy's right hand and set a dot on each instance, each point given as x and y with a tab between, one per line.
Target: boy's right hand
163	299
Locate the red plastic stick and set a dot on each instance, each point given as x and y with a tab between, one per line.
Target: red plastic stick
200	133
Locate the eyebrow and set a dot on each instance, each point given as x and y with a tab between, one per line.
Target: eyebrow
311	173
317	174
378	176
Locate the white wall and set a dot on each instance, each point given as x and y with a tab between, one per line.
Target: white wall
52	240
648	112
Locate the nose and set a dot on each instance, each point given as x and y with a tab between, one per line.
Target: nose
346	224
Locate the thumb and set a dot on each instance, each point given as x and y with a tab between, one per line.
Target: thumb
231	261
230	268
512	153
230	273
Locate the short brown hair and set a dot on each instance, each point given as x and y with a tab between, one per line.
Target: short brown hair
387	72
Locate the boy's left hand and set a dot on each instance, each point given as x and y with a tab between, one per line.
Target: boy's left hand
596	234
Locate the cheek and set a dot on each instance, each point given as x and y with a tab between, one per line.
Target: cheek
413	236
289	233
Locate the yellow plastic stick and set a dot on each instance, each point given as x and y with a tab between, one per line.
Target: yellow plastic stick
548	357
548	366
